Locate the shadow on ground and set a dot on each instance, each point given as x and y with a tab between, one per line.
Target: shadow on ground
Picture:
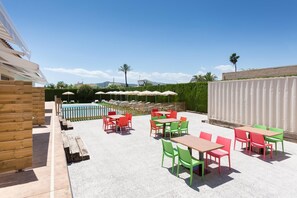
40	149
11	179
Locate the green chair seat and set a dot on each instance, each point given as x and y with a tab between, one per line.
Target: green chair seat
172	129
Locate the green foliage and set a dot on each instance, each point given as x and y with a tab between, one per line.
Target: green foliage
201	78
85	93
50	86
125	68
233	59
193	94
61	85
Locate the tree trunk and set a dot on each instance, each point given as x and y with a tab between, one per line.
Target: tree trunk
235	67
126	79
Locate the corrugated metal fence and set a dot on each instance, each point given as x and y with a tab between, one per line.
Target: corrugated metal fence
269	101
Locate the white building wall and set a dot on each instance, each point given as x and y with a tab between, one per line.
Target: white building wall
269	101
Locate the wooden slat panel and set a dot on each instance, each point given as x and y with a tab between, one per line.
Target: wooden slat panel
15	135
16	144
15	125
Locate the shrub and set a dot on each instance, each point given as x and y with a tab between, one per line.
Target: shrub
85	93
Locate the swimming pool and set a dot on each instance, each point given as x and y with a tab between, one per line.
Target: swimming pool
76	112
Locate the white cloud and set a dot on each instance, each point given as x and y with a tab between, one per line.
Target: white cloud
133	76
225	68
202	68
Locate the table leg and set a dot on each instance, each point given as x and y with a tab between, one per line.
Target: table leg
198	169
164	126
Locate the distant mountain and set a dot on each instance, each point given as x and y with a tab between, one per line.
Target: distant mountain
106	83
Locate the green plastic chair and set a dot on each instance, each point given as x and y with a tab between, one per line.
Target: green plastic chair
277	138
185	159
183	127
157	123
172	129
169	151
259	126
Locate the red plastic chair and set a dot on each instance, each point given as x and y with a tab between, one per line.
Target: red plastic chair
219	153
108	124
240	136
129	117
112	113
154	127
206	136
123	123
155	109
258	141
173	114
182	119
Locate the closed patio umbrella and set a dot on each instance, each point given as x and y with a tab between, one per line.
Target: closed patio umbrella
168	93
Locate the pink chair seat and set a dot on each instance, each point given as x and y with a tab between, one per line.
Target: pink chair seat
218	153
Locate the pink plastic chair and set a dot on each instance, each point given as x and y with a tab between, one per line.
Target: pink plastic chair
219	153
206	136
258	141
240	136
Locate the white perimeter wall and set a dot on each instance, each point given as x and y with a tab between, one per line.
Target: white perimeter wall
269	101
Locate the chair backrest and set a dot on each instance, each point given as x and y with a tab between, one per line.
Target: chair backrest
206	136
173	114
257	138
154	109
240	134
259	126
129	116
123	121
224	141
167	146
184	124
280	136
153	123
184	155
154	114
182	119
174	125
155	118
112	113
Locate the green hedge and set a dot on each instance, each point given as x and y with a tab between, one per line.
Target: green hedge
193	94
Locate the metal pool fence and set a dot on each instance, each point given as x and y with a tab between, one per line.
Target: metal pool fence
78	113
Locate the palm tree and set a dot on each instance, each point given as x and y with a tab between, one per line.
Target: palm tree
198	78
233	59
125	68
210	77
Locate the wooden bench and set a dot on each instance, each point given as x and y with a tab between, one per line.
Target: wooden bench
75	149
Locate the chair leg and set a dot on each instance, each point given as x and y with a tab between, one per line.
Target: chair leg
219	165
191	176
271	152
229	162
202	170
177	172
172	169
275	148
206	159
283	146
264	152
162	159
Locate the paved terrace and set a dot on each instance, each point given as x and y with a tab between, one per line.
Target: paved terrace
129	165
49	175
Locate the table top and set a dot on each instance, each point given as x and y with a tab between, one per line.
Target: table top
163	112
115	116
197	143
166	120
258	131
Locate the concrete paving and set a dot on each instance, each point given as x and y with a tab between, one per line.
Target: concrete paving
129	165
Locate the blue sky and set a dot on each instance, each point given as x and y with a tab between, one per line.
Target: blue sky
164	41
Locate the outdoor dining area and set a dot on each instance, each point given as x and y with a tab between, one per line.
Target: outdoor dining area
206	158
